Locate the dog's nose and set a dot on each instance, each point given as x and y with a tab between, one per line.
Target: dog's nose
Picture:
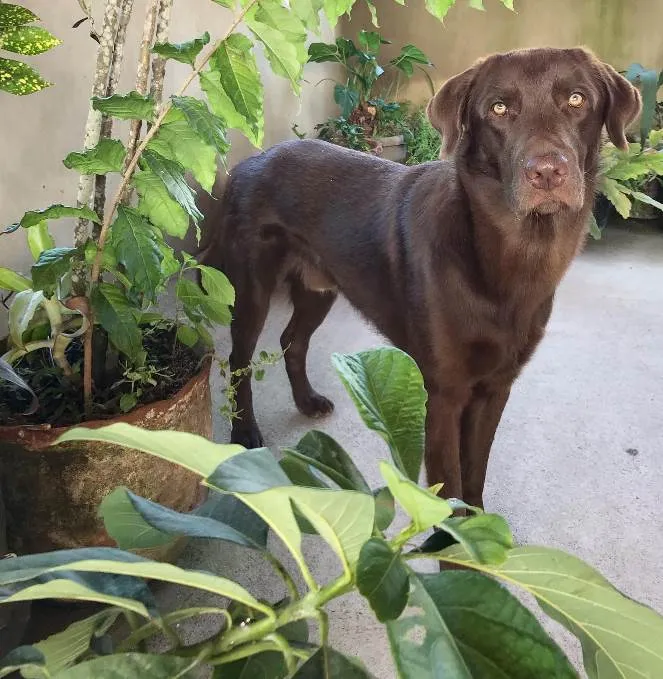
548	171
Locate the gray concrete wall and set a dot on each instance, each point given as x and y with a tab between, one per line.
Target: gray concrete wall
37	132
619	31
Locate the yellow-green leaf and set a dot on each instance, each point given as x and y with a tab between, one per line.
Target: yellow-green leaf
158	206
28	40
39	239
18	78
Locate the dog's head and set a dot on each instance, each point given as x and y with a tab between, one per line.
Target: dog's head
532	120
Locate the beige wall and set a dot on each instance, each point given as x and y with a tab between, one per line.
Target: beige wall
37	132
619	31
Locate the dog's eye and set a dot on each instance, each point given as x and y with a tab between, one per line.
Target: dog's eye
498	108
576	100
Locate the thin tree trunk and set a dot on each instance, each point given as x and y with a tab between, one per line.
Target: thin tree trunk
158	63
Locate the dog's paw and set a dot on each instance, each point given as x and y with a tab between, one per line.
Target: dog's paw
249	437
315	405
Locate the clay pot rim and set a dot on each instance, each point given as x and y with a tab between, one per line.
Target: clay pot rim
40	436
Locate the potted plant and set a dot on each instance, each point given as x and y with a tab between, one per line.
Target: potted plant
367	122
460	624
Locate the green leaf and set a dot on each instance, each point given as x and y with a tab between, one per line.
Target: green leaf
320	52
128	402
15	15
136	248
322	452
106	156
301	473
283	56
250	472
424	507
408	58
173	446
11	280
347	98
50	267
486	538
620	637
28	40
156	204
21	312
171	174
18	78
217	285
326	663
62	649
39	239
200	306
308	12
136	522
334	9
141	665
388	390
593	228
203	122
184	52
383	579
125	525
59	211
614	193
285	21
187	335
234	88
374	13
115	314
467	626
132	106
644	198
477	4
177	141
25	658
385	509
439	8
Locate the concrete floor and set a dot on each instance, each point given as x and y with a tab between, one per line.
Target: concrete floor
578	458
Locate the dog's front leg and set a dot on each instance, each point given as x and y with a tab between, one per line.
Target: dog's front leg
478	426
443	422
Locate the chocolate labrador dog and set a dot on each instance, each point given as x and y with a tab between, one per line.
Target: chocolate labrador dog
455	261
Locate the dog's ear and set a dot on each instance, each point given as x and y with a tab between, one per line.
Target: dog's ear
622	106
446	110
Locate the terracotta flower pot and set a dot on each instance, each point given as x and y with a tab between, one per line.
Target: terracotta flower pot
392	148
52	494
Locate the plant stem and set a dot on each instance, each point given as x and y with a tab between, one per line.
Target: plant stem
126	177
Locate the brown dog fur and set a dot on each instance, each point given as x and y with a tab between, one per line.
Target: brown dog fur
455	261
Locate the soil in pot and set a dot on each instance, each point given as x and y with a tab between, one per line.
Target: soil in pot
52	493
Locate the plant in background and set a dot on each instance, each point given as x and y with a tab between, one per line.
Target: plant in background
19	36
343	133
648	81
423	140
457	624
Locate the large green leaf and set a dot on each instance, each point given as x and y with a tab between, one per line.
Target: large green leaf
116	316
39	239
467	626
249	472
283	56
171	174
233	87
106	156
424	507
620	637
132	106
123	665
322	452
200	306
334	9
326	663
135	522
439	8
347	99
184	52
11	280
15	15
177	141
486	538
616	196
272	13
209	127
217	285
28	40
308	12
158	206
62	649
21	312
136	248
388	390
58	211
190	451
50	267
16	77
383	579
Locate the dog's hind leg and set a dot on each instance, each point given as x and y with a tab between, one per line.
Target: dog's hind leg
310	309
254	284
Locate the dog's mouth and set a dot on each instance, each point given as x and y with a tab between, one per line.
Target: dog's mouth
546	205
